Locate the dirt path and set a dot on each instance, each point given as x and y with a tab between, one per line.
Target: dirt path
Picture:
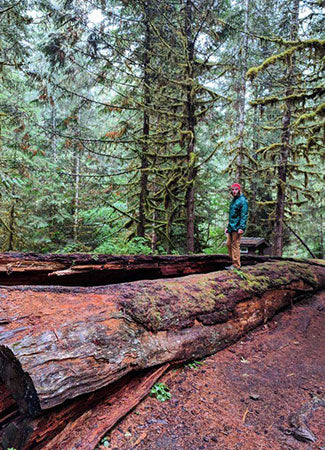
253	395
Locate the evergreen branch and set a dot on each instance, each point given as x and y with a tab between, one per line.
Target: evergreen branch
108	155
108	105
5	225
300	240
124	213
294	46
98	175
2	11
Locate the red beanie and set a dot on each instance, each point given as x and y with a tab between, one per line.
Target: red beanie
236	185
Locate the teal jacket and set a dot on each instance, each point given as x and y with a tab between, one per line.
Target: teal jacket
238	212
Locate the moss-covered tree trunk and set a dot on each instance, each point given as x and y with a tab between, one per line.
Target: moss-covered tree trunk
76	202
146	123
286	140
190	128
242	96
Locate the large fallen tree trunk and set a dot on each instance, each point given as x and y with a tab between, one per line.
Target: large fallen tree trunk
58	343
83	421
8	409
6	400
95	270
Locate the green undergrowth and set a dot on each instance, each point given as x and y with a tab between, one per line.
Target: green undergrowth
194	364
161	392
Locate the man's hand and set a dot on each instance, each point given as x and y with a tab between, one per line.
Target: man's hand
226	230
240	231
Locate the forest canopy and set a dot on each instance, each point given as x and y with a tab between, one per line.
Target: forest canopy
124	122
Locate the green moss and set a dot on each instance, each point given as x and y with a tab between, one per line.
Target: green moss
320	261
265	101
155	318
301	96
176	305
269	148
254	283
320	110
279	281
317	44
253	71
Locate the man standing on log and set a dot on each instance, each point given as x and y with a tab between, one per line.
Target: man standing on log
237	224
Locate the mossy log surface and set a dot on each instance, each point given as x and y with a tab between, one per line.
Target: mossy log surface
57	343
94	270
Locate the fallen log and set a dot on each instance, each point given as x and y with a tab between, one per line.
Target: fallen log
94	270
8	408
57	343
72	425
6	400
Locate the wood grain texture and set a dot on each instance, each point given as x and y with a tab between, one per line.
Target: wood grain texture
8	408
94	270
81	422
58	343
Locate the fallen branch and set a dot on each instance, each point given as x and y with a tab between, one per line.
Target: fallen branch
301	241
298	421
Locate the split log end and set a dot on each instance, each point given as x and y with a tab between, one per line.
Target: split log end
19	383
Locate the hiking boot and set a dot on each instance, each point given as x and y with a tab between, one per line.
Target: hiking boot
232	267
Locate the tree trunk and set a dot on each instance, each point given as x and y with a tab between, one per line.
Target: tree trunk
146	125
242	96
11	226
256	144
58	343
285	140
53	127
322	249
7	405
154	234
8	409
76	194
190	131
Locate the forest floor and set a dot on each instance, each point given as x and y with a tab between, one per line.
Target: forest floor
252	395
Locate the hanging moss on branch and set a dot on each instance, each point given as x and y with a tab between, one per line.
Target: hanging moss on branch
319	111
316	44
254	71
302	96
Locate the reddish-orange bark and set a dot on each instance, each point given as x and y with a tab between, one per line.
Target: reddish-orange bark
81	422
262	393
57	343
90	270
83	435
